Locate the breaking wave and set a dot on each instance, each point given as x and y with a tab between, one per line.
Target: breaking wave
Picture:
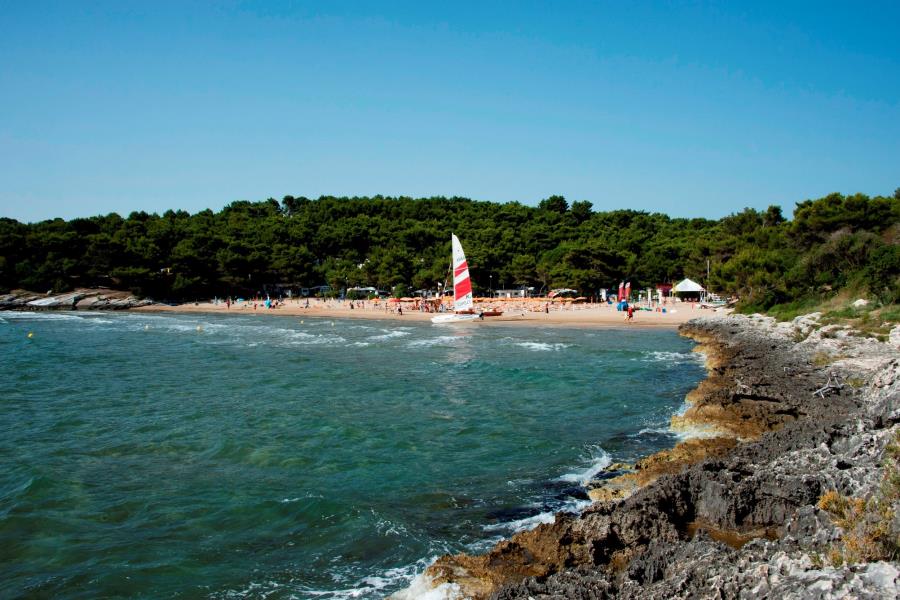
542	346
597	459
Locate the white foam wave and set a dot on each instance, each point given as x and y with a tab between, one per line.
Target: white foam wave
654	430
422	588
598	459
173	326
99	321
436	341
527	523
252	335
418	586
672	357
318	340
389	335
695	432
41	316
542	346
387	528
299	498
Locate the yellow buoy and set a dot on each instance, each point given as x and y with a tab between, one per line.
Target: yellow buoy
199	328
301	322
30	334
146	327
332	323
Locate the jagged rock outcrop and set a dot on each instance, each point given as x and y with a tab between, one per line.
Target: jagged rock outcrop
81	299
17	299
783	389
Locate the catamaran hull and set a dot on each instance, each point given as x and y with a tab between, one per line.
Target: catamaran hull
453	318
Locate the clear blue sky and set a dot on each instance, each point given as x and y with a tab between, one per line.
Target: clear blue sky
694	109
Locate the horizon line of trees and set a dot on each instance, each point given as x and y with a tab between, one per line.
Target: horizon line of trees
831	243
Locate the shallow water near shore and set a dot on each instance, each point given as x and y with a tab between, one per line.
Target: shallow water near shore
261	456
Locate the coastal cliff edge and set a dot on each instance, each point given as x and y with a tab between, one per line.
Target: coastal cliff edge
796	423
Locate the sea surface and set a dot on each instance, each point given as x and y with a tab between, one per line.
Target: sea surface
195	456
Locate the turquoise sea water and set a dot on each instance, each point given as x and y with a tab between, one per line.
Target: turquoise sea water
261	457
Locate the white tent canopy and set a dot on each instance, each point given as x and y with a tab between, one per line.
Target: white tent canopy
689	286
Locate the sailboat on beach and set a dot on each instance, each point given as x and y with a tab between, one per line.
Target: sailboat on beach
462	289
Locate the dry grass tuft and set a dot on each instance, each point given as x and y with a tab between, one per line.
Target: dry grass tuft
867	524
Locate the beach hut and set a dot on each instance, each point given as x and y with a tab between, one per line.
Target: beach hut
688	289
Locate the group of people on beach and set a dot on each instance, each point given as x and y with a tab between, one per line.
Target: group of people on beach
268	302
492	306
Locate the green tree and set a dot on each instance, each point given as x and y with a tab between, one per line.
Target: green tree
555	204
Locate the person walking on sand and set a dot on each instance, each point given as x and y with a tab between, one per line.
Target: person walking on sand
630	317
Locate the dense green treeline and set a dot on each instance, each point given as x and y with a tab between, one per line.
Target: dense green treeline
831	243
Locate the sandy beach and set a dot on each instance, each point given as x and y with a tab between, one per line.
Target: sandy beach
514	312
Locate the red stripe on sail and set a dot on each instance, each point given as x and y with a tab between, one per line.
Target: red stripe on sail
460	268
462	288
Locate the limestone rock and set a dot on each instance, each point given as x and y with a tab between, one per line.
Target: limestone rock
17	299
65	301
81	299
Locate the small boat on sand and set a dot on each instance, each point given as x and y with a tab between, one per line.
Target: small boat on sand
462	289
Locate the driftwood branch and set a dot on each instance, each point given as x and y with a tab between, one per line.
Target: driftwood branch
835	383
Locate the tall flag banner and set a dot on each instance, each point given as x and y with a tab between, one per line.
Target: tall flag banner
628	290
621	291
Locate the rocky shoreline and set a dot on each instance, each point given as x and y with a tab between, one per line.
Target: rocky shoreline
80	299
796	420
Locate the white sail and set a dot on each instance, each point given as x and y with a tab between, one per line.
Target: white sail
462	284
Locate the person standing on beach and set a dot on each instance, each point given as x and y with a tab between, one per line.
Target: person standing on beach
630	317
